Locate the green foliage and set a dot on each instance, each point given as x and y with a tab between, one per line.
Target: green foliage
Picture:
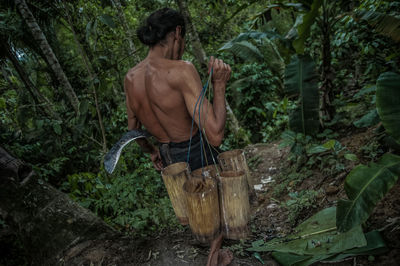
243	49
384	23
369	119
388	103
133	199
329	157
301	81
299	202
303	28
253	97
365	186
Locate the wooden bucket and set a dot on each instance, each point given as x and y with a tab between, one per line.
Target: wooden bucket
203	208
235	160
234	204
174	176
209	171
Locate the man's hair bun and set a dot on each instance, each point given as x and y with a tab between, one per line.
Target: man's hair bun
158	24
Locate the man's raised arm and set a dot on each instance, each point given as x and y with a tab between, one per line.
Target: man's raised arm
213	115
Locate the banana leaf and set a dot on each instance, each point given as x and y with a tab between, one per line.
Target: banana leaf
303	30
375	246
289	259
301	81
388	103
317	236
243	49
257	35
370	119
386	24
365	186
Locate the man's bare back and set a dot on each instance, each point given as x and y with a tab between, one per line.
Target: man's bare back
155	99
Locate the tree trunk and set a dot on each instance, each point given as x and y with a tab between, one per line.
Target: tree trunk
128	32
47	221
201	58
92	77
327	108
43	103
198	50
48	52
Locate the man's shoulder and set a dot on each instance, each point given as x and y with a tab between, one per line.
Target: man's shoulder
182	66
181	71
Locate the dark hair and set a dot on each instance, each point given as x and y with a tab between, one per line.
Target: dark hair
158	24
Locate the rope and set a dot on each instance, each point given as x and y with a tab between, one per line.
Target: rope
200	98
199	105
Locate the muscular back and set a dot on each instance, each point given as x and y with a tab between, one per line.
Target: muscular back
155	99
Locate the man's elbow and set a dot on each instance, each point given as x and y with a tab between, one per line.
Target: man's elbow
216	139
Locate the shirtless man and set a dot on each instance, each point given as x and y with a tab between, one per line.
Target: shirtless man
161	93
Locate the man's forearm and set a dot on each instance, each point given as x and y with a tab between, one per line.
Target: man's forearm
219	106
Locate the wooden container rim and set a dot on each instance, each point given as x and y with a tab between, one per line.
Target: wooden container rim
231	153
175	168
212	186
198	172
230	174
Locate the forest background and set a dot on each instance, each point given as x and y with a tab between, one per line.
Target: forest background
304	72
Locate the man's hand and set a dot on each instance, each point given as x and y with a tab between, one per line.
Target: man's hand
221	71
156	159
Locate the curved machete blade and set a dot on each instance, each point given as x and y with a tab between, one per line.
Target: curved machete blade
112	157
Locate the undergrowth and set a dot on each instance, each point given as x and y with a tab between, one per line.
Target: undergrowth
133	199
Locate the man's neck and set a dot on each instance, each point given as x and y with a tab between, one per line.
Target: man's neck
160	51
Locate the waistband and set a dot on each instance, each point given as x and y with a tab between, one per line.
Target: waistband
184	144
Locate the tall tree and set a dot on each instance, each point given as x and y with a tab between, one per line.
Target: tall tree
92	76
42	102
198	50
327	72
201	57
51	58
128	32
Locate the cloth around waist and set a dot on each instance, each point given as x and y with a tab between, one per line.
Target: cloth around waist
184	144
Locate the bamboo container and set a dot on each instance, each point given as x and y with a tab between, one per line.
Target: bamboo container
174	176
235	160
209	171
234	204
203	208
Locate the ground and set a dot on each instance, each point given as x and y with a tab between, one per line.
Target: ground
269	217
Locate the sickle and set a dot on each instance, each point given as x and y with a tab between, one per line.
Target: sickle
112	157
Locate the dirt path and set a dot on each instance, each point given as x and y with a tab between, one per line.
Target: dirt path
269	218
180	248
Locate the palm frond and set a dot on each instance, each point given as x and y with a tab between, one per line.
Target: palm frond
243	49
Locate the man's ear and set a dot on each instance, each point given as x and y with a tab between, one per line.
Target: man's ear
178	31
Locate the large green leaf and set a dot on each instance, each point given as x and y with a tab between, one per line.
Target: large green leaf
375	245
107	20
257	35
243	49
386	24
303	30
388	103
301	81
365	186
369	119
316	236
